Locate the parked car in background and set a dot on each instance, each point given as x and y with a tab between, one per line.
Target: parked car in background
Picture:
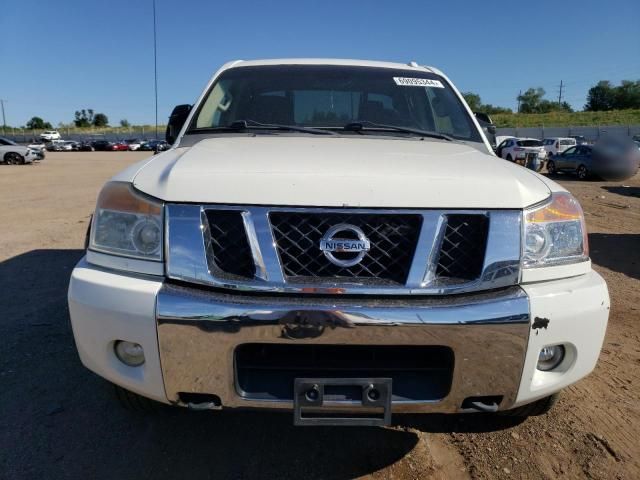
50	135
39	148
500	139
101	145
55	145
37	145
69	146
155	146
119	147
528	152
555	145
134	144
86	146
13	154
580	140
611	159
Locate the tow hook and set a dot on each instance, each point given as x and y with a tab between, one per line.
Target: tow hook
481	404
204	406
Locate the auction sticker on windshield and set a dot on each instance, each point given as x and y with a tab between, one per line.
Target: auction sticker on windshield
417	82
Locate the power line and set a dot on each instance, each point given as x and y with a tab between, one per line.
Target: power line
155	64
4	120
560	93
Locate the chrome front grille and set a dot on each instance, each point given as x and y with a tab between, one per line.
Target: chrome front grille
463	247
229	249
393	242
277	249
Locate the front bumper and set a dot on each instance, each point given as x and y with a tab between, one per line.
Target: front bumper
190	335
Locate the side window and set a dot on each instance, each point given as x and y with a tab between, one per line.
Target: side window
216	104
582	150
571	151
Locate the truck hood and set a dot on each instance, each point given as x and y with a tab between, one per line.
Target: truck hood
338	172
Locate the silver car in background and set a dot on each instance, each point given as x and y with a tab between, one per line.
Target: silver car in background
13	154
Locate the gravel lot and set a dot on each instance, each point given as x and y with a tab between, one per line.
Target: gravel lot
58	420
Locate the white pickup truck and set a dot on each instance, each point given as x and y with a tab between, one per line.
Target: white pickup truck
336	238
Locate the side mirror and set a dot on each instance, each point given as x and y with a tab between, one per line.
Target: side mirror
176	121
483	117
491	129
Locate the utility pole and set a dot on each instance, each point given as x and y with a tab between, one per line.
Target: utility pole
4	120
560	93
519	95
155	64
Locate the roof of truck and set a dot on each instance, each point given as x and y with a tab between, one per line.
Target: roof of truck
333	61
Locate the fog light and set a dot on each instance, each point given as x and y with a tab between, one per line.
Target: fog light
550	357
129	353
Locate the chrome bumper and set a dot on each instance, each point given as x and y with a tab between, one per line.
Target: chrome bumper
198	332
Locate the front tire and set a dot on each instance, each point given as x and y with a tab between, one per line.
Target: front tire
509	157
13	158
551	167
134	402
582	172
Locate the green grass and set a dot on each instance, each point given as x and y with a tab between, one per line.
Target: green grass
562	119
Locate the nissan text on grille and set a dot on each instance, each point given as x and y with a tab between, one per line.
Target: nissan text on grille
337	239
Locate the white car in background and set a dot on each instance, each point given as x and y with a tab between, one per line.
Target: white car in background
518	149
134	144
49	135
557	145
39	148
13	154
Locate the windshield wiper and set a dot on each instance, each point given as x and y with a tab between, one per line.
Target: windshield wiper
249	124
361	125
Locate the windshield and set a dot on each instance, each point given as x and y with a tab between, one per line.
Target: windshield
331	97
529	143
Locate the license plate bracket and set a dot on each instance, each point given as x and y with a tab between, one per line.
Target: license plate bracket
309	395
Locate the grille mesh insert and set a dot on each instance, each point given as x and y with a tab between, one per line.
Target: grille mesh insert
393	240
463	247
231	252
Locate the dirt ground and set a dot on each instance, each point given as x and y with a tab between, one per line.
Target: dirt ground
58	420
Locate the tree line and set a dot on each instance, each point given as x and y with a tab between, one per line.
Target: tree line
603	96
86	117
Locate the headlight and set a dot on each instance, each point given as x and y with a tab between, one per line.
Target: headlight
127	223
555	233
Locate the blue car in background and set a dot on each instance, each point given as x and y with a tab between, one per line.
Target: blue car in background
610	159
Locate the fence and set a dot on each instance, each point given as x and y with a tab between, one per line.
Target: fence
22	135
592	134
113	134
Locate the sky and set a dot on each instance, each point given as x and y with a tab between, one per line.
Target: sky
57	57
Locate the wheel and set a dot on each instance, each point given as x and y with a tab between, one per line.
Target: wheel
582	172
509	157
13	158
134	402
551	167
539	407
